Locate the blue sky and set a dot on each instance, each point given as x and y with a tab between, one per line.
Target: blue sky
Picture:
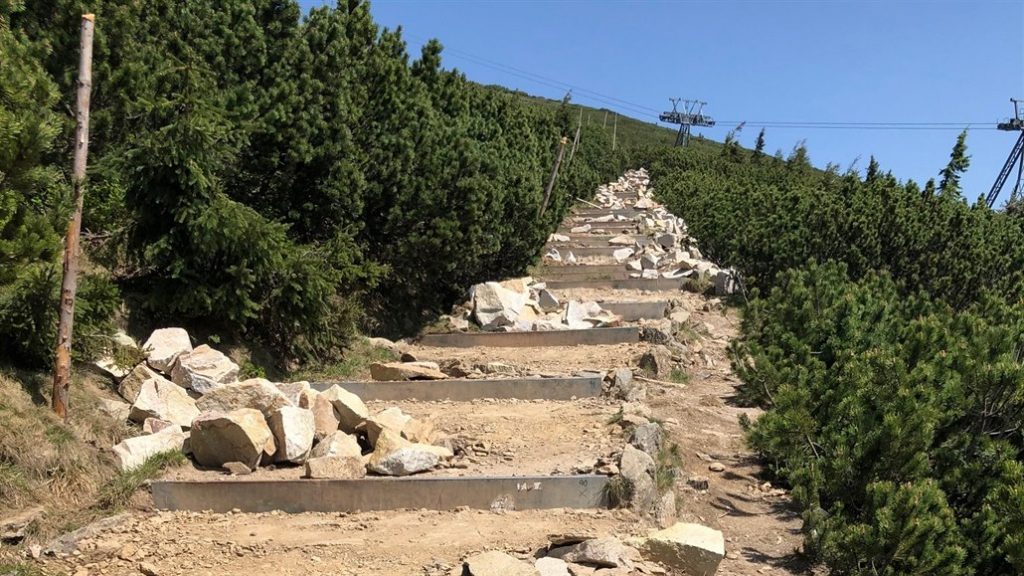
759	61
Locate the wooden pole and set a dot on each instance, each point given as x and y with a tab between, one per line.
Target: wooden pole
69	285
554	174
615	131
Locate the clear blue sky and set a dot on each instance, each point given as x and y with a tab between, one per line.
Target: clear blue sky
759	61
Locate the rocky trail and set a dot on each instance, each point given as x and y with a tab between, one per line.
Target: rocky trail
662	431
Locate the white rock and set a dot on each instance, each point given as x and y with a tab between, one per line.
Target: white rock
129	387
622	240
335	467
649	261
601	552
293	430
558	238
133	452
160	398
164	346
580	229
325	417
547	301
350	408
238	436
391	418
553	255
293	391
256	393
622	254
495	305
634	265
203	369
337	444
548	566
689	548
650	274
396	456
394	371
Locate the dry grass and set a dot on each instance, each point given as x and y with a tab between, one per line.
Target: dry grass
47	462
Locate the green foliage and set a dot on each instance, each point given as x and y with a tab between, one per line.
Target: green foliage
290	178
31	209
116	493
884	338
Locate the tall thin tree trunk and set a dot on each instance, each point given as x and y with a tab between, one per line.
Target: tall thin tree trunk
69	285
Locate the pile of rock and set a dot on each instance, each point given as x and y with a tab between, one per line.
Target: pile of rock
653	244
523	305
690	549
190	399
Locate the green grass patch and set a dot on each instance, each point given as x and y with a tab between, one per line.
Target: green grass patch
20	569
356	362
666	467
679	376
116	493
617	417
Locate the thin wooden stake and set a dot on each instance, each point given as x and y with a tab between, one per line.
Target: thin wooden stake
554	174
69	285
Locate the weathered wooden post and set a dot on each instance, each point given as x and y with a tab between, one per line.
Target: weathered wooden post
69	284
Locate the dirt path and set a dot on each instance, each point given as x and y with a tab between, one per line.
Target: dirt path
762	531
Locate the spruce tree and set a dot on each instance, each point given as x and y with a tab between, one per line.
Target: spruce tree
959	161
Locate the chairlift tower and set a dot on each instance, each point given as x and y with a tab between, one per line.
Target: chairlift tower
1015	124
691	115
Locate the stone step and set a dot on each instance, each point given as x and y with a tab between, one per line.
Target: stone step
588	212
584	251
595	271
587	337
660	285
462	390
375	494
633	311
589	239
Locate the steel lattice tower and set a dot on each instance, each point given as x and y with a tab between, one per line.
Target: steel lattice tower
691	115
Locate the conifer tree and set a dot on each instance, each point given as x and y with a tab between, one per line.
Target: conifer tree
959	161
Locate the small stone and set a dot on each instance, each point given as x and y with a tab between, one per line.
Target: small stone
236	468
495	563
601	552
396	456
154	425
716	467
148	569
699	482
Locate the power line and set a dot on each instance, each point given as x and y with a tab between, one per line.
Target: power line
647	113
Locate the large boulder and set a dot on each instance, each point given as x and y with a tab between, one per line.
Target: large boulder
391	371
691	549
164	346
337	444
133	452
293	430
496	563
647	437
495	305
160	398
294	392
657	362
256	393
203	369
241	435
396	456
325	418
548	566
349	407
637	468
130	385
391	418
